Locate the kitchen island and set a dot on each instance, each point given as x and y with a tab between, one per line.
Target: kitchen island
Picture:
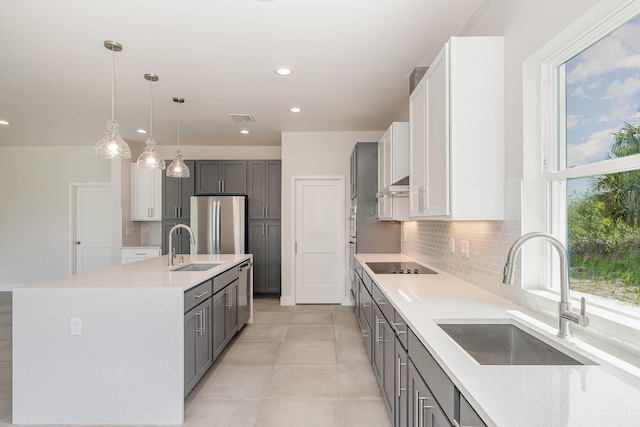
603	392
106	347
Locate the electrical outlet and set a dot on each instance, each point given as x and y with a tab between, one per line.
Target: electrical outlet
464	248
452	245
75	326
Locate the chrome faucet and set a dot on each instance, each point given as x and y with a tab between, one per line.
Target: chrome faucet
565	315
172	250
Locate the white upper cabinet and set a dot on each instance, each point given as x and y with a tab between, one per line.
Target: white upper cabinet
393	168
456	133
146	194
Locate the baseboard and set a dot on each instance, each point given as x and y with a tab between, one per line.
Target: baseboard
287	301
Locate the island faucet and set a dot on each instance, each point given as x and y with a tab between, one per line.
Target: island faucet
565	315
172	250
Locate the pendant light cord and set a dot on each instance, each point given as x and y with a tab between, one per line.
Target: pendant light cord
113	82
151	125
178	125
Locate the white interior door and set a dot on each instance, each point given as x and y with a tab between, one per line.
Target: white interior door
92	227
319	240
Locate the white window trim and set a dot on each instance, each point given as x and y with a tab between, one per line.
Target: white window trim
541	133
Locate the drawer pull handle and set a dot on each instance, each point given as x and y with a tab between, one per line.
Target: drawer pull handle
201	294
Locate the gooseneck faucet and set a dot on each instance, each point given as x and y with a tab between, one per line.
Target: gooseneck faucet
565	315
172	250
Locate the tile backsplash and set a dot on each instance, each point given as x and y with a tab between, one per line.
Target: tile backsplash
488	241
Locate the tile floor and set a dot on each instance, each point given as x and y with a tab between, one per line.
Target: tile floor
297	366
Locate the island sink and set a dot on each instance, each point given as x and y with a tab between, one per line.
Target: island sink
196	267
505	344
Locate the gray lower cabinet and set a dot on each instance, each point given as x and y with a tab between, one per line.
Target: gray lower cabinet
180	239
198	351
384	358
220	177
401	387
264	244
225	317
423	407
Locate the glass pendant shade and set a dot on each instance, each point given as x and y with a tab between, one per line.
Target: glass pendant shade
177	168
150	158
112	146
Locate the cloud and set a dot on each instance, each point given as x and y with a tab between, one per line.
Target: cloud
572	121
618	91
579	92
621	49
593	149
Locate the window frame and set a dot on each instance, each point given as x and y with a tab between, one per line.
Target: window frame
544	85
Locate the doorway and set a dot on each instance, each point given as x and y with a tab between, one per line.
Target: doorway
319	233
90	227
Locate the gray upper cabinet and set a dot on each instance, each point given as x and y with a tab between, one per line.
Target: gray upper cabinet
220	177
176	194
264	178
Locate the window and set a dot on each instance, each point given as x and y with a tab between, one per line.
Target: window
592	166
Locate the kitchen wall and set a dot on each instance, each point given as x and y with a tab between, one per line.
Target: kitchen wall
312	154
34	219
527	27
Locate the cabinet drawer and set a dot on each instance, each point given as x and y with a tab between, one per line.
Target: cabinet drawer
437	381
222	280
383	303
401	329
196	295
368	283
140	252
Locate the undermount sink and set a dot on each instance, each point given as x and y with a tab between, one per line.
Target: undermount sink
506	344
197	267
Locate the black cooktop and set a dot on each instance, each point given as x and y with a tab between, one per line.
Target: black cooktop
399	268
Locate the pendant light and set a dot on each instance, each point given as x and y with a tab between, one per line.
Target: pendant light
112	146
177	168
150	158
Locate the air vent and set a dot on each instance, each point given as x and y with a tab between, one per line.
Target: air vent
242	118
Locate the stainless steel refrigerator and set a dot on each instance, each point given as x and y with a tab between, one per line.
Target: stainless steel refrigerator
219	224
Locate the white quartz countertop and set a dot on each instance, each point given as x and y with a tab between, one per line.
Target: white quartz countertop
149	273
606	393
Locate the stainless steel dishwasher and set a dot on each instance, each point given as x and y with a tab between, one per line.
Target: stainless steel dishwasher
244	293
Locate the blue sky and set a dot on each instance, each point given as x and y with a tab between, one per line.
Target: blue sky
603	92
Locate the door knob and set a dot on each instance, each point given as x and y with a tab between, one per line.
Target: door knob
77	242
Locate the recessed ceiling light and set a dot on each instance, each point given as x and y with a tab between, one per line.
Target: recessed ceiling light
141	131
244	132
4	122
284	71
295	109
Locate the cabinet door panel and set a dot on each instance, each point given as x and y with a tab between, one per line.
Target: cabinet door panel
273	189
417	137
180	238
234	177
257	241
231	326
190	337
204	347
437	137
256	171
170	196
208	177
219	322
401	387
273	257
389	371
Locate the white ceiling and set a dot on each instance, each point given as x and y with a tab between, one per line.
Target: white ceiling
351	60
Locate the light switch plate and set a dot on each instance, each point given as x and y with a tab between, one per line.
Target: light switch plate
464	248
75	326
